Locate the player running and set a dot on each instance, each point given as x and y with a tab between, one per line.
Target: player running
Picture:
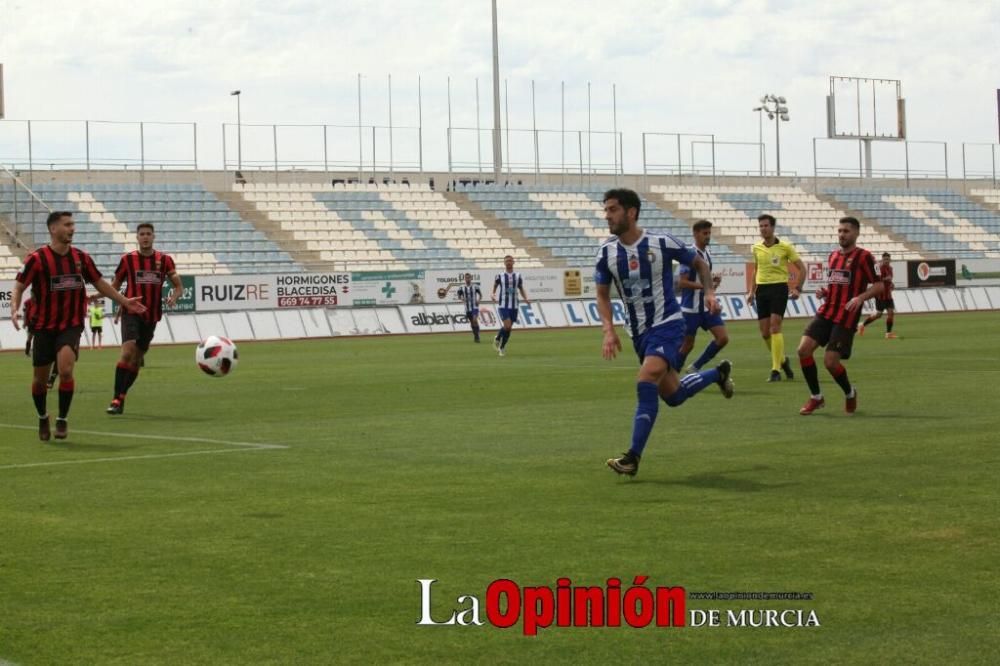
640	265
849	270
57	274
885	303
470	294
693	303
144	270
509	283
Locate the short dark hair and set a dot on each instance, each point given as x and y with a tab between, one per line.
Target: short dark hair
767	217
886	255
55	216
145	225
701	224
508	256
853	221
624	196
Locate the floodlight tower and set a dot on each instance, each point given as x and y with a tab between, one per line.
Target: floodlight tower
777	110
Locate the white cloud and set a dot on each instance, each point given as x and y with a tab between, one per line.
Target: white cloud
678	66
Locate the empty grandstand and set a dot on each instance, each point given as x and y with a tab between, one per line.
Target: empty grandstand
268	227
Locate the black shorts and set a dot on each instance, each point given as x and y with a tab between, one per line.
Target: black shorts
46	345
771	299
882	306
832	336
135	328
96	329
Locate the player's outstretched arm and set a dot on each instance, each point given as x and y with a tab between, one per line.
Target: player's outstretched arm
611	344
524	296
751	277
175	295
133	305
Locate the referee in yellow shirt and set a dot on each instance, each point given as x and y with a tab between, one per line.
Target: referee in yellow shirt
769	277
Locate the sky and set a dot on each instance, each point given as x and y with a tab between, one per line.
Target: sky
653	67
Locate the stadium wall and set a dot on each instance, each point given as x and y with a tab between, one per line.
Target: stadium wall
311	322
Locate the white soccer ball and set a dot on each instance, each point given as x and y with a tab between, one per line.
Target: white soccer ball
216	356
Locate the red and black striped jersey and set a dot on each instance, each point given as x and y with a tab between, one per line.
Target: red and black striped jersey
58	285
848	275
885	274
144	275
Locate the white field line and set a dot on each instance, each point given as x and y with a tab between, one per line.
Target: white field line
237	447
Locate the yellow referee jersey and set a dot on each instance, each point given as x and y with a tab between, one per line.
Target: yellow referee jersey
772	262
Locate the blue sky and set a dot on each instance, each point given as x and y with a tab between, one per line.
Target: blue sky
676	66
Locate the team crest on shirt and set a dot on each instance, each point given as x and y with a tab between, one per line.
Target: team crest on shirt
633	262
775	260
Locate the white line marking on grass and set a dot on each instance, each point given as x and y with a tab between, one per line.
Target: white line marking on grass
163	438
238	447
86	461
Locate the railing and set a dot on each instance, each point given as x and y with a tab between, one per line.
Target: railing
24	217
376	150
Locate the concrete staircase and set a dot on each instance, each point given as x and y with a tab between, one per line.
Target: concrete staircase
505	230
12	249
310	259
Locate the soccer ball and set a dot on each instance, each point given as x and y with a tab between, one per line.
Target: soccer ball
216	356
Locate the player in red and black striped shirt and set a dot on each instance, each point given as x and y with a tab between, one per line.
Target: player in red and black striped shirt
58	274
144	271
850	271
885	302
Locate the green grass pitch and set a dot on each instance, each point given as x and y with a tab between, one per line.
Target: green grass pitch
429	457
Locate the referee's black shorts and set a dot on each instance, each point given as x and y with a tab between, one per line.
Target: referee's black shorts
771	299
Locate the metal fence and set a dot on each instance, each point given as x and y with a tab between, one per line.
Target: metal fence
33	146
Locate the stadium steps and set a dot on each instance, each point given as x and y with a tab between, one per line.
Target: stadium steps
873	223
272	230
506	231
690	218
982	201
12	250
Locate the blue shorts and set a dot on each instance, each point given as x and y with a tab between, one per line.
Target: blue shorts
508	313
706	321
664	341
472	313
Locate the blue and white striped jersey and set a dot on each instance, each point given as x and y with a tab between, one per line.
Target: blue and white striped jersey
693	300
509	284
644	276
470	295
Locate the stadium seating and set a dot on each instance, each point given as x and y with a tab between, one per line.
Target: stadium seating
940	222
202	234
9	263
569	221
382	227
803	219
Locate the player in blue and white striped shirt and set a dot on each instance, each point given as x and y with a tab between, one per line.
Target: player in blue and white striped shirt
509	283
640	265
693	303
470	295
